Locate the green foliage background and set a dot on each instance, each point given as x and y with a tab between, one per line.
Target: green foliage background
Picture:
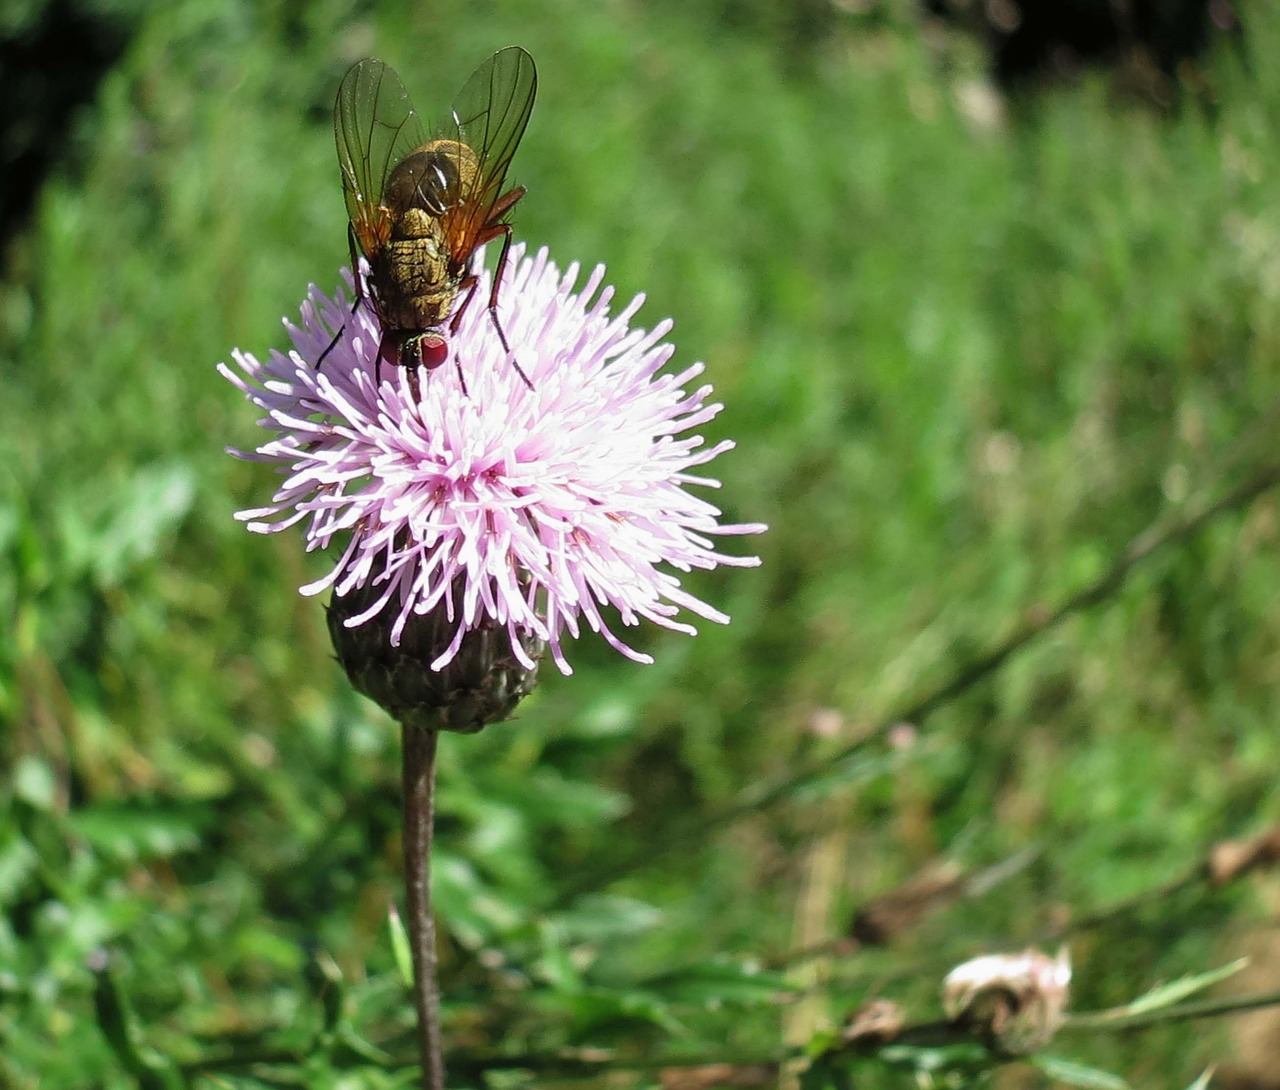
966	362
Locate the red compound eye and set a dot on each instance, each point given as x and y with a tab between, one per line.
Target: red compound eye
435	350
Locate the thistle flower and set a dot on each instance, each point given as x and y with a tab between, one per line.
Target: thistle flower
487	504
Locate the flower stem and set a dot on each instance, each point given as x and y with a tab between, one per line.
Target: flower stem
419	819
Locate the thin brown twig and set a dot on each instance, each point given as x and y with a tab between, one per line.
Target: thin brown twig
419	821
941	884
1199	873
1144	899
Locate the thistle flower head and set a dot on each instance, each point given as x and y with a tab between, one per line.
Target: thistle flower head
485	502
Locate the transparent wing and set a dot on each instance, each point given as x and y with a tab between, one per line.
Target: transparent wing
375	126
489	115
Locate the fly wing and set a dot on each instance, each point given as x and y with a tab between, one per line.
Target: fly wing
489	115
375	126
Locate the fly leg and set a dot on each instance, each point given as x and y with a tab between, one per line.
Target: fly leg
355	272
471	282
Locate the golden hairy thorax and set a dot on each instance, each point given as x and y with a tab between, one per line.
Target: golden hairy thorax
414	275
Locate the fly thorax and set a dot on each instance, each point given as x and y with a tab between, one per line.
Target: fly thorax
420	226
433	178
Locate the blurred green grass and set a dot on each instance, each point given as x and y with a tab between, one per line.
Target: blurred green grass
965	362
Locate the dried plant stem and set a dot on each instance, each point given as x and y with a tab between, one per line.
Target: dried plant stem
419	821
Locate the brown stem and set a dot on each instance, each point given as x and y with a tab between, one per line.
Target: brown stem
419	820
